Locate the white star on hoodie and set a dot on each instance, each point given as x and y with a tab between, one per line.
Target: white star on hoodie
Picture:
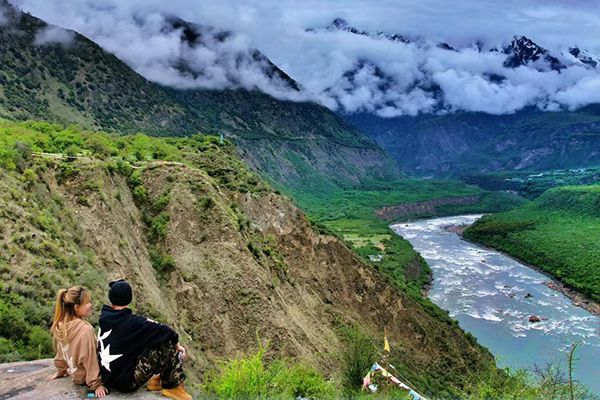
105	357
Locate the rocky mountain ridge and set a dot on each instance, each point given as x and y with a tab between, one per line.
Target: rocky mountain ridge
520	51
340	24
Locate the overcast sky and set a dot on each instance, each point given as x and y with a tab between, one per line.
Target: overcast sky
132	30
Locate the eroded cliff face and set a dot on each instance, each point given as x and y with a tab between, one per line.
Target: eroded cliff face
243	264
422	207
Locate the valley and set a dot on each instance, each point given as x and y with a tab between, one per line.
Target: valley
261	216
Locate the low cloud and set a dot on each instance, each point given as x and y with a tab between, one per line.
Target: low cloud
408	79
3	17
152	41
346	72
54	35
584	92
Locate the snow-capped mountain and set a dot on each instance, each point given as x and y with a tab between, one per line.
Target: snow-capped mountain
523	51
520	51
340	24
586	57
399	76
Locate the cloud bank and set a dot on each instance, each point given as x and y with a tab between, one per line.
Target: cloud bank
54	35
346	72
3	18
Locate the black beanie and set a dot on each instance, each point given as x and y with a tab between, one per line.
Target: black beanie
119	293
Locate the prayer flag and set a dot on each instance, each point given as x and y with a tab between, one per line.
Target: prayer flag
366	381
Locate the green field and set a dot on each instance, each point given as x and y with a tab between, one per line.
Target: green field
559	233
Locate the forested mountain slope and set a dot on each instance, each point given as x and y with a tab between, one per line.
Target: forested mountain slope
558	232
69	79
468	143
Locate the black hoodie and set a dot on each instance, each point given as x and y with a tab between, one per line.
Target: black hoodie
122	338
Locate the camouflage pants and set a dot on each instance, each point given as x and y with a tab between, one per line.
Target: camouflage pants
164	361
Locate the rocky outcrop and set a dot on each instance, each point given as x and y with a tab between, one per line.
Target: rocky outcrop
423	207
31	381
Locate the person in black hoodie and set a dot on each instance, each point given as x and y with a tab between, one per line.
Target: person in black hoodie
133	350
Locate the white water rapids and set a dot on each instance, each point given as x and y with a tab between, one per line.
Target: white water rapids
485	291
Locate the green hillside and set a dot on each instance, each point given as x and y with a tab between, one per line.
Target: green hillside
53	232
79	83
559	232
533	184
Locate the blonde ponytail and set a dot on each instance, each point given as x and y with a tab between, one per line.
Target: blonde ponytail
66	300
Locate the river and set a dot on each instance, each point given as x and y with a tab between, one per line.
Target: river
485	291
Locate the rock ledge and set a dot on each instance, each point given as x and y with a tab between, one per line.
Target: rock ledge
30	381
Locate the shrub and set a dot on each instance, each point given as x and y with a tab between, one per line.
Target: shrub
158	229
12	322
206	203
40	339
135	179
124	168
29	177
139	194
254	249
162	202
298	381
66	172
162	263
251	378
357	357
72	151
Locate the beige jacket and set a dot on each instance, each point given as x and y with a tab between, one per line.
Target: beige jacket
77	357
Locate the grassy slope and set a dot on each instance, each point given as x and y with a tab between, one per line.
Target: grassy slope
559	233
40	233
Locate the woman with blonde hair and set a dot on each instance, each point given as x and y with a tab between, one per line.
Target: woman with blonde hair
75	340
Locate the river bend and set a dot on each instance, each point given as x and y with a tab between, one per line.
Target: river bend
493	296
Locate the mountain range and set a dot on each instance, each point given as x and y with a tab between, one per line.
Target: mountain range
519	51
450	144
301	144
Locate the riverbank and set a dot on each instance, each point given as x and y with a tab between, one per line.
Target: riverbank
578	299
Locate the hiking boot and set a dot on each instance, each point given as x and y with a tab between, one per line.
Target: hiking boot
177	393
154	383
